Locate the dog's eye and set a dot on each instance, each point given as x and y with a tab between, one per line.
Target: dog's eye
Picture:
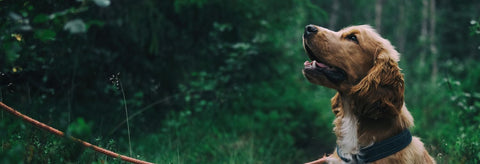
352	38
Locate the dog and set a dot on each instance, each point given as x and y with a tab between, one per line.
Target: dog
371	120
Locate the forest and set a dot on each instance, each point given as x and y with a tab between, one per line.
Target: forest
214	81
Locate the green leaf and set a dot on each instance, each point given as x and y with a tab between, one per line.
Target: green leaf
98	23
79	128
138	95
11	51
24	13
45	34
477	104
476	95
40	18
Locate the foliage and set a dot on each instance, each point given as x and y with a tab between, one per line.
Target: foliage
215	81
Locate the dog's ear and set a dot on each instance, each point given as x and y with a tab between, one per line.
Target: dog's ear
380	93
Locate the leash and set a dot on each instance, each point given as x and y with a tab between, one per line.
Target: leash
61	134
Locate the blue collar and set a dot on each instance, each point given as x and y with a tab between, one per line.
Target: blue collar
380	149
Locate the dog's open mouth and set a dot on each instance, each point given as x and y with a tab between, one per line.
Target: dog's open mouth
317	66
316	62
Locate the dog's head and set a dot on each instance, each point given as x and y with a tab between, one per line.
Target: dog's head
342	59
356	61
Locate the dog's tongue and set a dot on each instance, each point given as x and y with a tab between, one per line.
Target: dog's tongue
321	65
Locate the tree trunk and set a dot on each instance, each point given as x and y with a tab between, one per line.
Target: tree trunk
400	33
433	46
378	15
332	23
423	33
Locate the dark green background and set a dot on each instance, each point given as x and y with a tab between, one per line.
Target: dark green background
220	81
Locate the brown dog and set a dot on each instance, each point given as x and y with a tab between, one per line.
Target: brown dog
371	121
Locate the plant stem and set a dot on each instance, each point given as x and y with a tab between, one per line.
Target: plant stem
126	115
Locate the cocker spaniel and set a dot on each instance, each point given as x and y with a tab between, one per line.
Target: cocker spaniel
371	121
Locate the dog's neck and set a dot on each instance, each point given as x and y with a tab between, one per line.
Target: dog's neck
354	131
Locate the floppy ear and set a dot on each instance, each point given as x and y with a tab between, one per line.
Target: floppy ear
380	93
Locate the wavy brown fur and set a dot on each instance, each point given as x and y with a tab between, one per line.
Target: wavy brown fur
369	106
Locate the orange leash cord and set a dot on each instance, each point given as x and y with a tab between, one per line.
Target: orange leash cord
61	134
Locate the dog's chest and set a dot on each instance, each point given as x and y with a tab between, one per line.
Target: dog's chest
348	129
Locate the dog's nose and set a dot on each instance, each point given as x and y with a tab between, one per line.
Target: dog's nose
310	29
